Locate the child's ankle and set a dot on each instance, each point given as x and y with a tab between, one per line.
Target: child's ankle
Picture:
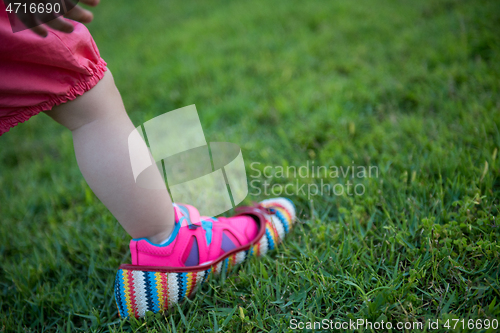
161	237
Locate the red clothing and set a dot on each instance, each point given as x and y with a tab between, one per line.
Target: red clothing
38	73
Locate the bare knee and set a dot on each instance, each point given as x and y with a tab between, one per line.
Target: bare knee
102	101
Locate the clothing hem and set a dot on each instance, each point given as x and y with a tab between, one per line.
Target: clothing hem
78	89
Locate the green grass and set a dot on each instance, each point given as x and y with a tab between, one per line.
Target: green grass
411	87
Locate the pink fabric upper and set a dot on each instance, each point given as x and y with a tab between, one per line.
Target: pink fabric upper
240	229
38	73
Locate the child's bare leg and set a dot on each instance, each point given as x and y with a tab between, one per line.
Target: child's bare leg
100	127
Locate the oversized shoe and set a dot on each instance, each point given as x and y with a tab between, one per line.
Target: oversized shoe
139	289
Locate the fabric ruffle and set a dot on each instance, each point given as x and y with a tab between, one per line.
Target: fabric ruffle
81	87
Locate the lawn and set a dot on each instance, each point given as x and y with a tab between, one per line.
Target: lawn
409	90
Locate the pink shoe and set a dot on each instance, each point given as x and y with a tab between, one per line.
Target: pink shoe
162	275
196	240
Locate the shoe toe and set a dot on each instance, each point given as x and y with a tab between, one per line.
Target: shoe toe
285	203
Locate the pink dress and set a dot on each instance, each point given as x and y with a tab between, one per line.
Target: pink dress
38	73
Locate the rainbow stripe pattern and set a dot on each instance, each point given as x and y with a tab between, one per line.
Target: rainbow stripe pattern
139	289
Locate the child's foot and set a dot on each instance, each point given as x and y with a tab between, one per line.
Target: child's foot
199	240
218	243
196	240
